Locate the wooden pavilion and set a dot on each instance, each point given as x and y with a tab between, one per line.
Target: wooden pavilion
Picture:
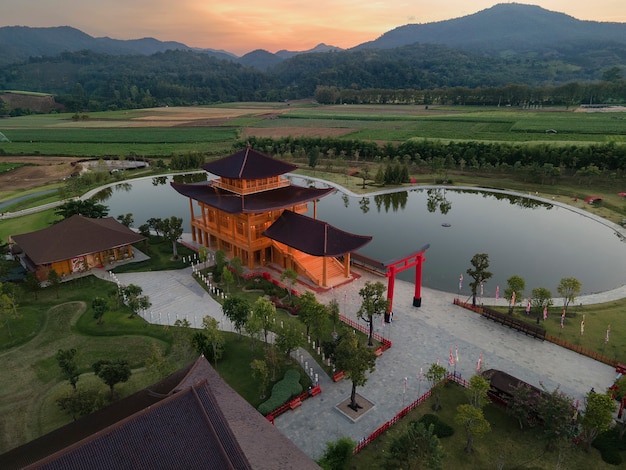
75	244
251	211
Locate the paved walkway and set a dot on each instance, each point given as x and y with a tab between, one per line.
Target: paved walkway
420	337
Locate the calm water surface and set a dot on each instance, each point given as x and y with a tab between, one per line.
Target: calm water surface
538	241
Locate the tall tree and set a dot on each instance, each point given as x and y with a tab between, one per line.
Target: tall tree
99	305
320	323
337	454
355	360
87	208
261	374
522	405
227	278
54	280
479	386
236	267
374	304
134	299
266	311
555	411
8	304
435	375
78	402
66	359
417	444
308	310
478	272
210	328
112	372
515	286
203	255
540	298
237	310
126	219
253	327
172	229
473	421
288	339
569	288
597	416
292	276
333	311
32	284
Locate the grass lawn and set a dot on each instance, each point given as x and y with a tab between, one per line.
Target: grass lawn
52	320
48	324
597	319
504	447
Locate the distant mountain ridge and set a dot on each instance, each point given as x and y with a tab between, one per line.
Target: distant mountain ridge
18	43
502	29
505	26
503	49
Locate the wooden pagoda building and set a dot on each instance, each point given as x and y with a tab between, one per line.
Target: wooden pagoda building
251	211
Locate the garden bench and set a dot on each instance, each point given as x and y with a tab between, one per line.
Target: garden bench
293	404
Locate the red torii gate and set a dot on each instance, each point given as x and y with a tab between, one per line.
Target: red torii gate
397	266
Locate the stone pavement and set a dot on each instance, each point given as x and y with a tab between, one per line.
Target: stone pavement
420	336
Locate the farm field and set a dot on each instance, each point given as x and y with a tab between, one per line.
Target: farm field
161	132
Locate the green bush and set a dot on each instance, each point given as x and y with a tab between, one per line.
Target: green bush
282	392
609	446
440	430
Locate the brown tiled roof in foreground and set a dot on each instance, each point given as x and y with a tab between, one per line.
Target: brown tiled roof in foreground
190	420
75	236
232	203
313	236
248	164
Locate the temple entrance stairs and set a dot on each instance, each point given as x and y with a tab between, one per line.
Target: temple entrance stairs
313	266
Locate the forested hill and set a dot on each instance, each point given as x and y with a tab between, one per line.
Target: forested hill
505	29
545	58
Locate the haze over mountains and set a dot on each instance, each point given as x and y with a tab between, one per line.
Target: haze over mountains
502	29
510	53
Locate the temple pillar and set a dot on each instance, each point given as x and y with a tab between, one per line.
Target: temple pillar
390	287
417	296
346	265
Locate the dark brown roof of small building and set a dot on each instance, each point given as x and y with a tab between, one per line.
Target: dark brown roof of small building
504	382
190	420
248	164
314	237
75	236
280	198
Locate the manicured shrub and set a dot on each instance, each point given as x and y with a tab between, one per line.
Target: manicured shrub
282	392
440	430
609	446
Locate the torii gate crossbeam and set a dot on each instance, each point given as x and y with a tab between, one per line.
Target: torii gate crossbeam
397	266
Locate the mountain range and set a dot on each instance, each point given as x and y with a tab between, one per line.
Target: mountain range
504	29
509	53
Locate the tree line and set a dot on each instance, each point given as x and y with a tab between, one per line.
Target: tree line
537	163
417	74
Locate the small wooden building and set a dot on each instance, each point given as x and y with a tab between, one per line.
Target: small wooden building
73	245
252	212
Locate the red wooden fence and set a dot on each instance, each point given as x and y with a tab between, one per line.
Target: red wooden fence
553	339
403	412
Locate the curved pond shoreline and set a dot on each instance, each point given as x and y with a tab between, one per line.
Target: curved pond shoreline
591	298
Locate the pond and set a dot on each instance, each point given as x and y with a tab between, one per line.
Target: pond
538	240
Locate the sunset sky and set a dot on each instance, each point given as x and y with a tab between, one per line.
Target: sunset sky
240	26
